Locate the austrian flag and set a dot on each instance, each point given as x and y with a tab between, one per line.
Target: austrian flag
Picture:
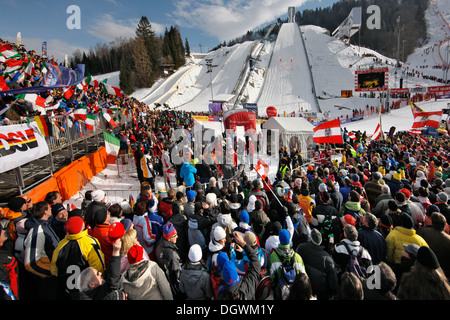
427	119
262	169
328	132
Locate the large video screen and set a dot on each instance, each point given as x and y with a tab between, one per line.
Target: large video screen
371	80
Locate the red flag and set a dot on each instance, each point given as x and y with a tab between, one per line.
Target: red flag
427	119
68	93
3	85
423	140
328	132
376	134
262	169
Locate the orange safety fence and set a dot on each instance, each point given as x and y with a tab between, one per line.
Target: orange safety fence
65	181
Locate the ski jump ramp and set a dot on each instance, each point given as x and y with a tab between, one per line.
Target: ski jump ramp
288	84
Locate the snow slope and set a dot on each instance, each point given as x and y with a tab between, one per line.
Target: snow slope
288	83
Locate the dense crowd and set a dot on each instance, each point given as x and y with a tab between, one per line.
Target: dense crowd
323	230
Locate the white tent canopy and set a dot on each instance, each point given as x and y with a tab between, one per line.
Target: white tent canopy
294	131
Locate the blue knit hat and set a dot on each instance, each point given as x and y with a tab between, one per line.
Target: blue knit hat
244	217
285	237
229	274
221	259
191	195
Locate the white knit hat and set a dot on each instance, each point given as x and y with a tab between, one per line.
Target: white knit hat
219	233
98	195
195	253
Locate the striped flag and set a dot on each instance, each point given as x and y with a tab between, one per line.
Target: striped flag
80	113
262	169
352	135
68	93
112	145
45	126
427	119
109	119
414	131
112	90
377	134
423	140
132	203
29	69
90	122
328	132
34	99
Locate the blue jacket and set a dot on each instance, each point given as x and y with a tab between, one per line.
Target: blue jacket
187	173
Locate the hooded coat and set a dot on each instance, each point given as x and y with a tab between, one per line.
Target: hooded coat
146	281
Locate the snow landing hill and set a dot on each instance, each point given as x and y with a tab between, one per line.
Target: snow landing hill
281	77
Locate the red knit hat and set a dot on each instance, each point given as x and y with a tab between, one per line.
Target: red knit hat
135	254
116	231
74	225
349	219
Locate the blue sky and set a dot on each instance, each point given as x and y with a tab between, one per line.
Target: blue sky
205	22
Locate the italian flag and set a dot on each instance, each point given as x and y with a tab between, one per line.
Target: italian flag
112	145
29	69
109	119
3	85
9	54
90	122
33	98
80	113
112	90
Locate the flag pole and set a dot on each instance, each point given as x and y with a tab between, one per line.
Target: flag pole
275	196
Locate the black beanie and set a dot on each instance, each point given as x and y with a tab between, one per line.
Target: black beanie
16	203
427	258
406	221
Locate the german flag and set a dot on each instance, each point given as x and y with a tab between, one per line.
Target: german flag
44	125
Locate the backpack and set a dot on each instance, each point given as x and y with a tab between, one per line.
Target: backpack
263	289
326	224
286	280
354	263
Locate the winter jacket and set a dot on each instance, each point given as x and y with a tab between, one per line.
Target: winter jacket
165	208
374	242
282	255
78	249
146	281
439	242
321	270
180	224
354	207
341	255
397	238
100	232
195	282
248	283
168	259
199	228
13	218
40	243
381	204
92	208
145	236
9	269
187	174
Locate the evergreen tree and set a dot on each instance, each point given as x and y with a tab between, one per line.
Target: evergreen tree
125	76
187	47
145	32
142	73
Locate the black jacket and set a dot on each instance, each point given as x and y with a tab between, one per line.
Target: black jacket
248	283
321	270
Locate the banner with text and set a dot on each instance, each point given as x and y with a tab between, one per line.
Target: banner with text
20	144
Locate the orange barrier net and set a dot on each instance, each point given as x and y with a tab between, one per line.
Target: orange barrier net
65	181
